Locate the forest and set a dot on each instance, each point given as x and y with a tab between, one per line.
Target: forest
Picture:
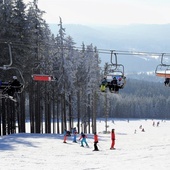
140	99
74	94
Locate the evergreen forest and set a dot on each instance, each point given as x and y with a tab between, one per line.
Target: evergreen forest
140	99
74	95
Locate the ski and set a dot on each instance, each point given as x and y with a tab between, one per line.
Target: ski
112	148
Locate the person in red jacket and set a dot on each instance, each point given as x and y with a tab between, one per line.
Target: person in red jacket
113	139
65	136
95	142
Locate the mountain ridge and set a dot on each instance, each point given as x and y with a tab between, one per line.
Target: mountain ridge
136	37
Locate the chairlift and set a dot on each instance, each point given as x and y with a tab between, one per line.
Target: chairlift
39	76
11	70
117	67
163	70
6	84
114	71
43	77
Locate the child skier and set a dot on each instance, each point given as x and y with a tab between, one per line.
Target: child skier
113	139
95	142
65	136
83	139
74	134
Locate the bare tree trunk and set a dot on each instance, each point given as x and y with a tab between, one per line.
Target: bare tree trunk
22	112
54	115
64	113
58	125
49	112
70	114
37	110
4	117
78	111
32	106
88	113
94	112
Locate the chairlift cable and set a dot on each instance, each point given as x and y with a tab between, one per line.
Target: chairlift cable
102	51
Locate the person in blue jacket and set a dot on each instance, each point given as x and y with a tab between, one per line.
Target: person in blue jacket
83	139
74	134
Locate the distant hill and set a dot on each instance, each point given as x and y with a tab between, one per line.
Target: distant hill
129	37
143	38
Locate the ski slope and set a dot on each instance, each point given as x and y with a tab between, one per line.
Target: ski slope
134	151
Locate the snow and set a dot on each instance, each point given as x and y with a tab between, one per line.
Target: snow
134	151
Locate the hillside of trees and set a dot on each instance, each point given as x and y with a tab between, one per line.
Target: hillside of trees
138	99
74	95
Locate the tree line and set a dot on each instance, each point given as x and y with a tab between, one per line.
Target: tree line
138	99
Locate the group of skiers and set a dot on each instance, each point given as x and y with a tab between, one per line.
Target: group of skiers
83	137
114	85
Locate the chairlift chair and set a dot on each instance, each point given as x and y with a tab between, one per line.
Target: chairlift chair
4	85
115	70
40	76
163	70
43	77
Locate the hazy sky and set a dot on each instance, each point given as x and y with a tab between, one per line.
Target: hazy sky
110	12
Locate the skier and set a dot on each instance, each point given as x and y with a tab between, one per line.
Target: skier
113	85
167	81
103	85
12	87
74	134
83	139
95	142
135	131
65	136
143	130
113	139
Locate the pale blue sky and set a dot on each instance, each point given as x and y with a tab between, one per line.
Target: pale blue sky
110	12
